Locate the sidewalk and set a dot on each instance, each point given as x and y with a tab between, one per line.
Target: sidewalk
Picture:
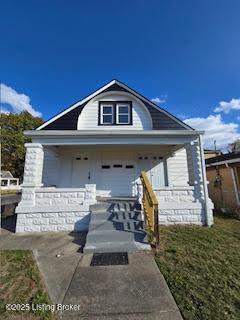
136	290
133	291
57	256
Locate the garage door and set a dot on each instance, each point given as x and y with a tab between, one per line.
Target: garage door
117	177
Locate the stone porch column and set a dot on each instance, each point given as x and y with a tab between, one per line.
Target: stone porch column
197	177
32	174
194	167
33	165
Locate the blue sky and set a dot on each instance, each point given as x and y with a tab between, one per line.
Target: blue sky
186	53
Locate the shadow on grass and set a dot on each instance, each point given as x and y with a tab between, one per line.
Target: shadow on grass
224	215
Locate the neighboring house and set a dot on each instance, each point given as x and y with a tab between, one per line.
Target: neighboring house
223	174
208	153
8	182
97	148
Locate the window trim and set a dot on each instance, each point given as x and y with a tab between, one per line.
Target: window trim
114	105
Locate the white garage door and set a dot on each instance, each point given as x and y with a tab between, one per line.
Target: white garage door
117	176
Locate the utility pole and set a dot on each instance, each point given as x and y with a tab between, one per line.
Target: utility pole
215	146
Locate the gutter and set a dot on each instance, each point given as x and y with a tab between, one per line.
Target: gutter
114	133
235	187
205	189
222	162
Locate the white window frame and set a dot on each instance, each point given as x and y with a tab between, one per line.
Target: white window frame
122	114
107	114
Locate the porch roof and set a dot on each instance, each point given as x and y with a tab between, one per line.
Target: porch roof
111	137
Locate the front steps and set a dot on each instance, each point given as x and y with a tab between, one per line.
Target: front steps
116	226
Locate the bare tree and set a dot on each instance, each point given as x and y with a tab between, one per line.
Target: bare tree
235	146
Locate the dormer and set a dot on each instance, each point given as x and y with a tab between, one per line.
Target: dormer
115	106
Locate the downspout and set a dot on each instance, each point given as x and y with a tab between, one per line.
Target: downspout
235	185
205	189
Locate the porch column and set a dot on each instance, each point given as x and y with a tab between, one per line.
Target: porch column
197	176
194	166
32	175
33	165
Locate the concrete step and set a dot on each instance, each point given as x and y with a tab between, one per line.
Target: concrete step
116	247
117	199
116	216
105	225
115	206
96	236
116	226
103	206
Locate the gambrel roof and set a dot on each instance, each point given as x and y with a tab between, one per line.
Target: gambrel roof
67	119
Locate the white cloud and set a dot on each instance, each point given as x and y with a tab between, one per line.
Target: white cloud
18	101
4	111
159	100
226	107
215	129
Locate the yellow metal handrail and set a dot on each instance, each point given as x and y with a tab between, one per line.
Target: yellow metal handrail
150	208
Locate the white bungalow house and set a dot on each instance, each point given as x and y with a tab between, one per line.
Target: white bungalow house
97	148
8	182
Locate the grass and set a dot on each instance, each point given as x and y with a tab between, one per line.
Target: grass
9	192
20	282
202	268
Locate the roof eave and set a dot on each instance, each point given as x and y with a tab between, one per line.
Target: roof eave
50	133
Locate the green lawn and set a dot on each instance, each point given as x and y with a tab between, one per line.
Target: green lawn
9	192
20	282
202	268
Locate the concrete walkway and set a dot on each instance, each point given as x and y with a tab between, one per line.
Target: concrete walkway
133	291
57	256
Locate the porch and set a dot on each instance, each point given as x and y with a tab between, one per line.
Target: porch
65	175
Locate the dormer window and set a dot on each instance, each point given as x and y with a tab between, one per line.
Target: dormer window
123	113
107	113
115	113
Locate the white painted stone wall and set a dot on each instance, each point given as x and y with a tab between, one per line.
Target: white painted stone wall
52	221
61	197
33	165
179	206
186	205
53	209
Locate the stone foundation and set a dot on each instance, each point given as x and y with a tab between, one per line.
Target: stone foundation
182	216
52	221
55	209
181	205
